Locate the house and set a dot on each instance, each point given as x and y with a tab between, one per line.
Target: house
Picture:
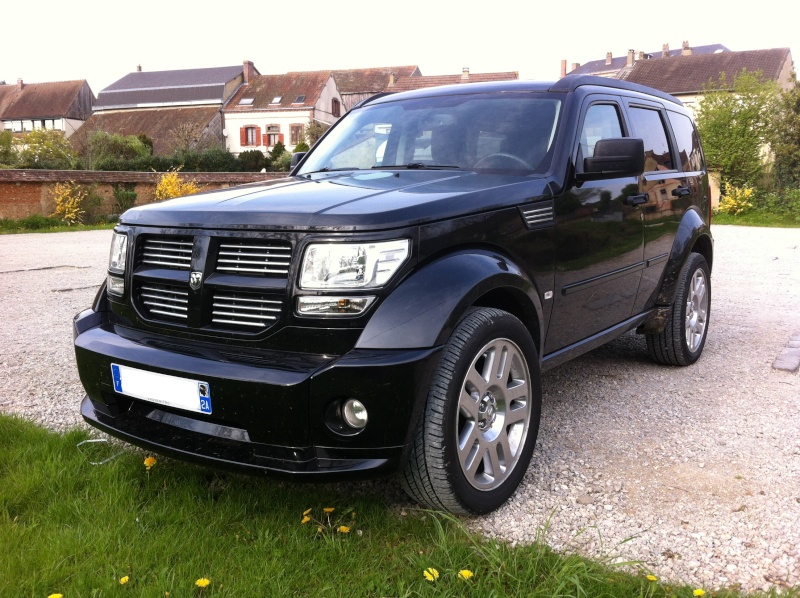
686	77
272	108
178	108
59	106
420	82
611	65
356	85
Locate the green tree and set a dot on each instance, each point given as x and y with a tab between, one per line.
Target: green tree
313	131
104	147
8	156
735	125
45	148
785	140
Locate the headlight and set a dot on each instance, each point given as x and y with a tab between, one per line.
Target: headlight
119	249
352	265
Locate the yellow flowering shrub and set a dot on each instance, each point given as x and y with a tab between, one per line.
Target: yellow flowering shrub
170	184
69	197
737	200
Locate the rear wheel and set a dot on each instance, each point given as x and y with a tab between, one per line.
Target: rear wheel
481	420
684	336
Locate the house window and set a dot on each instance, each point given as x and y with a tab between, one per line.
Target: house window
299	100
250	136
276	100
336	108
273	134
296	134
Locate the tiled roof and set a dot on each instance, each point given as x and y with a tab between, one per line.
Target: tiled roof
618	62
168	87
692	74
407	83
60	99
371	79
304	86
158	124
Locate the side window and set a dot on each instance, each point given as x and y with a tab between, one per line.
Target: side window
601	122
689	153
648	125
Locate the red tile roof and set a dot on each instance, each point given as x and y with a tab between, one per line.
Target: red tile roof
407	83
288	87
59	99
371	79
692	74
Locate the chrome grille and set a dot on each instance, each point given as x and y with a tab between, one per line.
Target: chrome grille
539	216
164	300
249	310
254	257
168	252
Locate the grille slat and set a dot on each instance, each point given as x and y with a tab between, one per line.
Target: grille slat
172	252
254	257
245	310
162	300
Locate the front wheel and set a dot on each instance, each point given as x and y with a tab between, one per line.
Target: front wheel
481	420
684	335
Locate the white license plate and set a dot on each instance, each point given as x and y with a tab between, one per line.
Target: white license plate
181	393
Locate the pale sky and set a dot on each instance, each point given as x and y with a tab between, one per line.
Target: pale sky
55	41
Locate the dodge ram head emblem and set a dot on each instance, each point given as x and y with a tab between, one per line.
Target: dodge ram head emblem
195	280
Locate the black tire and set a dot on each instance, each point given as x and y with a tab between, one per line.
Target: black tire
472	448
684	336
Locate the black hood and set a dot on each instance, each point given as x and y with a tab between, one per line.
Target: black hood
362	200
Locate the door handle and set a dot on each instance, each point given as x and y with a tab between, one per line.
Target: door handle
636	200
681	191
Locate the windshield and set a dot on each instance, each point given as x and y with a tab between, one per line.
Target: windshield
488	132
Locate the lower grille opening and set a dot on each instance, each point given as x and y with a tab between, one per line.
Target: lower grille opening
245	311
161	301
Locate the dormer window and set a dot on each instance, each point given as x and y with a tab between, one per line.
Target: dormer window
276	100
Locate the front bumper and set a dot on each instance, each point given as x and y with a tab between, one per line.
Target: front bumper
270	408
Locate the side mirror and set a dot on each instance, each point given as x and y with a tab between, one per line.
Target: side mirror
297	157
614	158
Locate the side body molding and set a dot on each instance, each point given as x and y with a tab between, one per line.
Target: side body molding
423	311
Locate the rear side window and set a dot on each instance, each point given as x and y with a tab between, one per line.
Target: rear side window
647	125
689	152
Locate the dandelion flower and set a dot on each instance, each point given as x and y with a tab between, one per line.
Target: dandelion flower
307	512
202	582
465	574
149	462
124	580
343	529
328	509
305	520
699	592
431	574
320	529
652	578
56	596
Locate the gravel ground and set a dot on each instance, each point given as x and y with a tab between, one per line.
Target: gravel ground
694	472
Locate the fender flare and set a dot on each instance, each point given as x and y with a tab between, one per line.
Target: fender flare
425	308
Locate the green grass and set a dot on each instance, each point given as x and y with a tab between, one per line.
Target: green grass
757	219
70	527
44	224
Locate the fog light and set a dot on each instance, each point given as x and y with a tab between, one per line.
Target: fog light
116	285
332	306
354	414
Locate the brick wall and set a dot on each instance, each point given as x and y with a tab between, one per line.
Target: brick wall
27	192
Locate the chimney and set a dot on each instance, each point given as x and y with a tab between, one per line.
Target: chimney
465	74
20	84
641	55
631	54
249	71
685	49
563	68
665	51
575	65
138	68
391	79
608	58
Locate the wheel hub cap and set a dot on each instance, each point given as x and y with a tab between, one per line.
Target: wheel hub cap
488	411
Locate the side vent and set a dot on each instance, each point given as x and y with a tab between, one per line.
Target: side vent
539	215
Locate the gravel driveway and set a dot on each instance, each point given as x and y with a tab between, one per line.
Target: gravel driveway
694	471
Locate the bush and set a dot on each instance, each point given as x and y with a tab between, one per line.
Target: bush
736	200
301	147
171	185
124	196
252	160
785	203
69	198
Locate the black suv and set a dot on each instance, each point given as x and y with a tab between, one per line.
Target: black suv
391	304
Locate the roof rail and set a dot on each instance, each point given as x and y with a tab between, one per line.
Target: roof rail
572	82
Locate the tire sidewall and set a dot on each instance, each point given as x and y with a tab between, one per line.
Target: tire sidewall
694	263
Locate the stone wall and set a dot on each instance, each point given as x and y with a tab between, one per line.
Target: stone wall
27	192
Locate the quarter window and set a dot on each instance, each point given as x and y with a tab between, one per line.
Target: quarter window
689	153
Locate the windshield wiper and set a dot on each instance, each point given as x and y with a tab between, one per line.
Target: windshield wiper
419	165
326	169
